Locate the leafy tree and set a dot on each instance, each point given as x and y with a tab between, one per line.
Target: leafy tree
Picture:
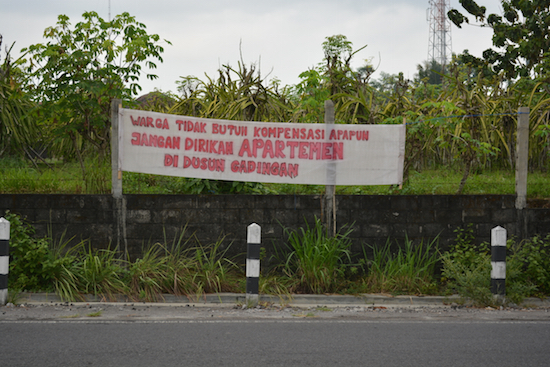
338	53
431	72
80	69
333	79
17	129
311	94
521	35
385	83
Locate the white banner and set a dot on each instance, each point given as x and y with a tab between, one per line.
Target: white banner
319	154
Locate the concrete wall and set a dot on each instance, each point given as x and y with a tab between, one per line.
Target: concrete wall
149	218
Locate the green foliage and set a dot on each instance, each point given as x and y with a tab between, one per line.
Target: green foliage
467	269
237	94
100	273
35	263
431	72
409	269
30	258
468	122
312	97
146	275
97	175
76	74
520	35
211	269
317	262
40	264
533	263
145	183
18	176
17	129
338	52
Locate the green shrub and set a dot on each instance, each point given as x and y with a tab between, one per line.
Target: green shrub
32	264
467	269
533	258
146	275
410	269
317	262
101	273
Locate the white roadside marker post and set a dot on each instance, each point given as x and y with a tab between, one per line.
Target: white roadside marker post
4	259
253	240
498	263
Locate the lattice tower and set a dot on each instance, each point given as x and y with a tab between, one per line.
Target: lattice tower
440	44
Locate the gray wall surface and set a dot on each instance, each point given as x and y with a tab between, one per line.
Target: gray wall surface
208	218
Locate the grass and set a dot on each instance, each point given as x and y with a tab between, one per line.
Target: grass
409	269
75	316
305	315
175	267
317	262
323	309
19	176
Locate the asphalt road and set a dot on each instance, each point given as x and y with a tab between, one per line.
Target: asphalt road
148	335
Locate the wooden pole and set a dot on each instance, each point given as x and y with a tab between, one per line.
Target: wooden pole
116	173
404	123
330	189
119	203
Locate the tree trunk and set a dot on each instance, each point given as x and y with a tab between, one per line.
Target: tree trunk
465	174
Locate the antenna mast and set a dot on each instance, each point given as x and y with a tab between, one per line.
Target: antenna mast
440	45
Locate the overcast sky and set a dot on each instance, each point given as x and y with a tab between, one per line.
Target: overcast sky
283	37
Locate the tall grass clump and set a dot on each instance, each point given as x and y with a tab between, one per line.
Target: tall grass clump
86	271
212	271
161	269
410	269
317	262
102	273
181	267
147	276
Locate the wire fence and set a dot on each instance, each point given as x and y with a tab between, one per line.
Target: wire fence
465	116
